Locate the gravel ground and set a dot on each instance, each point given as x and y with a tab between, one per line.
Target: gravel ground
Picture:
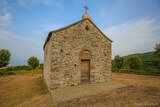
74	92
141	91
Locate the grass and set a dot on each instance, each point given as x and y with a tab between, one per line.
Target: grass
37	71
21	72
24	91
30	91
155	72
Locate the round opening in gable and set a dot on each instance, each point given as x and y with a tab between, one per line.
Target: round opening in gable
87	28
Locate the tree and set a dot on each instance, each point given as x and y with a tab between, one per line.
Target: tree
4	57
41	66
118	61
157	48
135	62
33	62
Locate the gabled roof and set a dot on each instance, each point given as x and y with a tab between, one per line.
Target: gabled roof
50	33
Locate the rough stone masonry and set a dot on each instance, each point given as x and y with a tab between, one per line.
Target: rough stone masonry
77	54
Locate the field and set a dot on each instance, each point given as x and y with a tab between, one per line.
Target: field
30	91
24	91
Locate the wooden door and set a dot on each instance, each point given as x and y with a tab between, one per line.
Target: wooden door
85	71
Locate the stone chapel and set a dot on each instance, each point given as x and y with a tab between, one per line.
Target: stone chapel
77	54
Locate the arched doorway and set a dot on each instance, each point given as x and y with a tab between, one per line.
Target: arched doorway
85	66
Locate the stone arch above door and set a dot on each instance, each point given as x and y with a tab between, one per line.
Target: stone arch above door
85	54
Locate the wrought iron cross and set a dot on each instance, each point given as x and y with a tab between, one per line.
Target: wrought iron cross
86	8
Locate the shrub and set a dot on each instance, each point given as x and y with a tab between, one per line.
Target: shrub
118	62
33	62
4	57
6	72
135	62
157	49
16	68
41	66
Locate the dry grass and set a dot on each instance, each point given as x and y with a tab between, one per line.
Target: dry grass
24	91
28	91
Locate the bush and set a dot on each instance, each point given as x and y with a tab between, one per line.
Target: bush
4	57
41	66
6	73
144	72
16	68
135	62
157	48
23	69
118	61
33	62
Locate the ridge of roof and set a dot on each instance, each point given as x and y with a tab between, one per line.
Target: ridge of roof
65	27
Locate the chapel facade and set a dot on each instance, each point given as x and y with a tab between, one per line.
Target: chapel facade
77	54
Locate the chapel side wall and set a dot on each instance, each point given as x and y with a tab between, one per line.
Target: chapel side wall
66	47
47	63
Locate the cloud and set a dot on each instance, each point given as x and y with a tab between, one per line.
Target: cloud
30	3
49	2
5	7
5	13
44	31
21	48
103	12
135	37
5	19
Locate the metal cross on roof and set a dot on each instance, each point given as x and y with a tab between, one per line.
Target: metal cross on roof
86	8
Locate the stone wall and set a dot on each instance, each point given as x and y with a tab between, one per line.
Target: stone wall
66	48
47	63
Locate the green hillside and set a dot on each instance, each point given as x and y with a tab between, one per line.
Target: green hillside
150	64
148	56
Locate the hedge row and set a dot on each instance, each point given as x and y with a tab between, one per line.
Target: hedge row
16	68
140	71
7	73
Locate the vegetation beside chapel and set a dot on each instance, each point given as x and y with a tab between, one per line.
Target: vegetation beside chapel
21	69
149	64
4	57
33	65
145	63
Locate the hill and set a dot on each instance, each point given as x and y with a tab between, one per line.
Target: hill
150	64
146	57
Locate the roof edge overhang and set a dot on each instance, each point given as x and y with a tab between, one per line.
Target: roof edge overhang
54	31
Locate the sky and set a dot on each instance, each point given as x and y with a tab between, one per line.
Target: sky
133	25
